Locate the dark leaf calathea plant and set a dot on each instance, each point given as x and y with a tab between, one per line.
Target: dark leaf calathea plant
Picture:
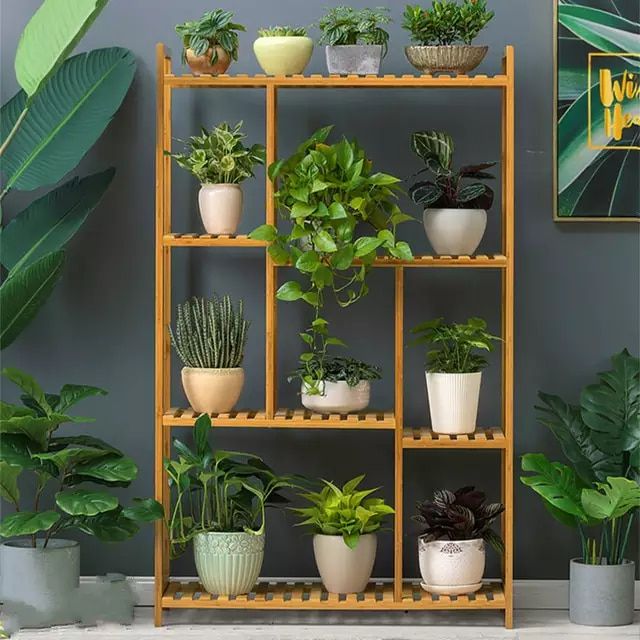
331	197
31	446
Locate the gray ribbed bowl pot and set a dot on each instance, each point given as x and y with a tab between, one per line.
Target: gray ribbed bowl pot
359	59
228	564
45	579
601	595
446	58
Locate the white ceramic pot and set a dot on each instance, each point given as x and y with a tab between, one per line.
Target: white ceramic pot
220	207
212	390
454	232
451	567
283	56
338	397
453	401
345	570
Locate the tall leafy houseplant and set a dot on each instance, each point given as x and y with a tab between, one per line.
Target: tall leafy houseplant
63	107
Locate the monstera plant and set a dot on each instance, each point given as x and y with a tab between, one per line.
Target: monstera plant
63	107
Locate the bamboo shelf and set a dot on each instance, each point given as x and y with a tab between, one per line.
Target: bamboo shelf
398	593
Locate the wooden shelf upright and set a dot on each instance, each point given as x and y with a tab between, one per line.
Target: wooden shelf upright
398	593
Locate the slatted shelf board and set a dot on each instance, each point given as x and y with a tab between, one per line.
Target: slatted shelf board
313	596
424	438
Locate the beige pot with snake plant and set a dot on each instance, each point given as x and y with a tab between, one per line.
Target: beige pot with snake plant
210	336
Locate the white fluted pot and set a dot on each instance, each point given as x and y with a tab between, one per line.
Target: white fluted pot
453	401
451	567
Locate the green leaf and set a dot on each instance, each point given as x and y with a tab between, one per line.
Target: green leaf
289	291
110	469
351	539
302	210
112	526
344	154
383	179
264	232
25	523
49	37
201	431
9	481
612	499
433	145
324	242
66	459
81	502
278	253
58	443
308	262
343	258
66	117
144	510
402	251
71	394
35	428
48	223
365	245
336	211
29	385
24	293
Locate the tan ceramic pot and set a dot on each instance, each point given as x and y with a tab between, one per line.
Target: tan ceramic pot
446	58
212	390
201	65
220	207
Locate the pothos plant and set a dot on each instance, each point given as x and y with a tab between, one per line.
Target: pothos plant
341	214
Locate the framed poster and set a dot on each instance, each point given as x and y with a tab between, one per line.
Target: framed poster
597	110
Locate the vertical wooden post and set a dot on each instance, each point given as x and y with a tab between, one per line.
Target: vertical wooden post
271	274
399	418
508	212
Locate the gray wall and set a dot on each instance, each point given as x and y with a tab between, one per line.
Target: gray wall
576	284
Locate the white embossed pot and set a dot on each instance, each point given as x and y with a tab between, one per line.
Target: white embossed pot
453	401
220	208
454	232
445	58
337	397
451	567
212	390
228	564
283	55
342	569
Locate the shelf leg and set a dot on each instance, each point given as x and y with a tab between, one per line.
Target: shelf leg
398	412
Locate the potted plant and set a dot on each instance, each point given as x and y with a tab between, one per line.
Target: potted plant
220	161
341	213
454	371
211	43
40	569
455	211
218	502
598	494
451	549
438	31
355	40
210	337
345	384
283	51
344	523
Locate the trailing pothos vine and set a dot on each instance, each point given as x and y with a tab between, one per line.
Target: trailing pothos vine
342	214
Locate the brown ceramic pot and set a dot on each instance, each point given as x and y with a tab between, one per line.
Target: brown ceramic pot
201	65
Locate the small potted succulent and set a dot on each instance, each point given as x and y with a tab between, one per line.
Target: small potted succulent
220	161
355	40
444	33
211	43
451	549
210	337
597	495
283	51
344	522
454	371
344	387
455	210
218	503
73	477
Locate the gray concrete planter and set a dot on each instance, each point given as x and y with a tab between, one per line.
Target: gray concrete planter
359	59
601	595
40	584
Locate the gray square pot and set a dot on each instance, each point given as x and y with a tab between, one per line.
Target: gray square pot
359	59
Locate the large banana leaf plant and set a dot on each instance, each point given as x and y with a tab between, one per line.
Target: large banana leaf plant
31	446
63	107
601	439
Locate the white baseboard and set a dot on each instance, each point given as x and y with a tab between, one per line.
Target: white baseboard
527	594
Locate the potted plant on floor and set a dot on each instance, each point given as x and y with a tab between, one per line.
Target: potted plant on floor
283	51
437	32
344	523
598	494
454	371
40	570
455	211
355	40
219	501
345	384
220	161
451	548
211	43
210	337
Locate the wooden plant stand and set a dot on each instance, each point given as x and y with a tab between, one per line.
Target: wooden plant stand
399	594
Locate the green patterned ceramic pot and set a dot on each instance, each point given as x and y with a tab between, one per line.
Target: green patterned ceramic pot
228	564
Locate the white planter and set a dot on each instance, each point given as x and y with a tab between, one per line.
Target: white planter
453	401
283	55
451	567
338	397
454	232
345	570
220	208
212	390
359	59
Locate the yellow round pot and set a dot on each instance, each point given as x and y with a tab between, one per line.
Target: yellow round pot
283	56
